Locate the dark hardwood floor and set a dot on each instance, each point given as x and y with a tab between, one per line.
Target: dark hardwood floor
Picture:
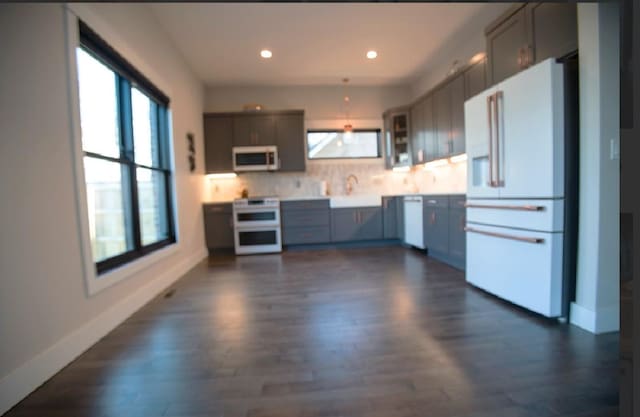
382	332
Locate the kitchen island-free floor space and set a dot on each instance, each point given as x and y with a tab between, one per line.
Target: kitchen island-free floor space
380	332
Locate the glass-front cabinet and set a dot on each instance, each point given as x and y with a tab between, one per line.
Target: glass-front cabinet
396	137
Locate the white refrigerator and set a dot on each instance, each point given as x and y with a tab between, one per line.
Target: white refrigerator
515	231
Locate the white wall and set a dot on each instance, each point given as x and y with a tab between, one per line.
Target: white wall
46	316
597	294
319	102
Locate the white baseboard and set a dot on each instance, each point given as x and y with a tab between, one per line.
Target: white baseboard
29	376
603	320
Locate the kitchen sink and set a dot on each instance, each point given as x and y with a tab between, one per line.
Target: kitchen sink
365	200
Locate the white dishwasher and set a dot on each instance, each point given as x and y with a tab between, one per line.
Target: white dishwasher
413	232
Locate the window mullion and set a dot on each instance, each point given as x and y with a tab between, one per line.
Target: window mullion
127	155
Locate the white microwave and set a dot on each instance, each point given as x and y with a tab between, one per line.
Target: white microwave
255	158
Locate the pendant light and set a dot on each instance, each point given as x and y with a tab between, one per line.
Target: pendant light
348	128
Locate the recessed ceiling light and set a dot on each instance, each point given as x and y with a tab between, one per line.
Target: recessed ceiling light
372	54
265	53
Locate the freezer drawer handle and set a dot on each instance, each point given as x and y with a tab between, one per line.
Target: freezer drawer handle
503	236
506	207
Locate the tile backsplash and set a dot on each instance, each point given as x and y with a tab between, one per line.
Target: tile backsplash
371	175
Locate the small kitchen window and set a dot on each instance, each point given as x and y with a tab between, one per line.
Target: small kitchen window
335	144
126	155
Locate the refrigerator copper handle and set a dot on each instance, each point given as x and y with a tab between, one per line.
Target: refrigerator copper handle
497	96
525	239
506	207
490	124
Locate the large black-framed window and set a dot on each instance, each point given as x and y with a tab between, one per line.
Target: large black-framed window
338	144
127	161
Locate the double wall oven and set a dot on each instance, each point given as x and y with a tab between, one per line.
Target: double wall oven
256	223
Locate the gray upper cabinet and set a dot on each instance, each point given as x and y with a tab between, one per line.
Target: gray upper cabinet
553	30
475	79
284	129
448	113
429	126
290	140
528	34
254	130
417	133
442	116
457	116
506	46
396	139
218	133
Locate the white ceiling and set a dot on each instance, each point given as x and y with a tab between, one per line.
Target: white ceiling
317	44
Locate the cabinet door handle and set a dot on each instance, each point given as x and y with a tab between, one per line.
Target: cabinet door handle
529	56
463	220
432	218
355	217
521	58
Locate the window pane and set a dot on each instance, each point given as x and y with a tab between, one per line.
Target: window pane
107	208
152	199
145	128
338	144
97	86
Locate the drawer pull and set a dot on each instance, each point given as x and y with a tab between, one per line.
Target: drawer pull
431	201
506	207
505	236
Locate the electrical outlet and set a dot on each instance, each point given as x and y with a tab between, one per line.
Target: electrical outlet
614	149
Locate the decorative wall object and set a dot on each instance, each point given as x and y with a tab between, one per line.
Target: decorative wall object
192	152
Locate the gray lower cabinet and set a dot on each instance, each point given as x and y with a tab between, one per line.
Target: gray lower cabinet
354	224
305	221
218	133
400	217
218	224
390	217
444	221
457	235
436	224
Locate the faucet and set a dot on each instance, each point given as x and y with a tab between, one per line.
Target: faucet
349	185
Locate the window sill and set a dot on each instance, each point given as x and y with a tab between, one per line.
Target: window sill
97	283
